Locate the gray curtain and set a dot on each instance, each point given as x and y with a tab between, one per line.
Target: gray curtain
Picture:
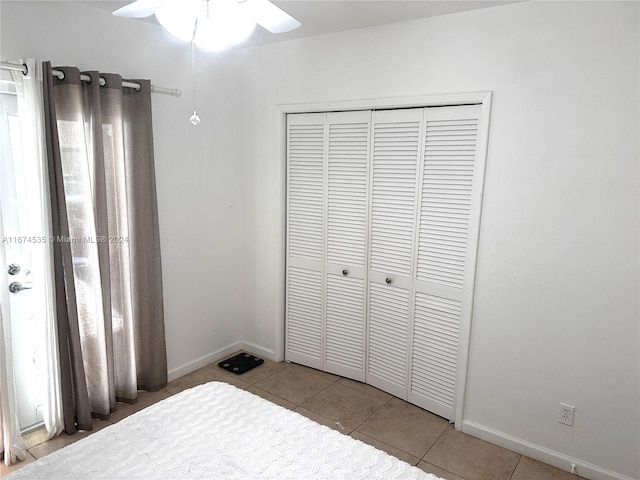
106	249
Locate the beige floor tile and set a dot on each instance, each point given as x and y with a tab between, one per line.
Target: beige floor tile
322	420
427	467
145	399
405	457
4	470
256	374
36	437
346	405
272	398
405	427
209	373
63	440
530	469
327	376
294	383
364	388
472	458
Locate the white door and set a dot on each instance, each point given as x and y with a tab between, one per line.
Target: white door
25	250
446	239
383	213
306	146
395	160
347	223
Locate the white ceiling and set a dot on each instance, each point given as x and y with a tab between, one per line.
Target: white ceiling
328	16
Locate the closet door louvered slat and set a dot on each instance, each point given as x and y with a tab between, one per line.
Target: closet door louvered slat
347	214
388	338
306	188
396	141
446	202
306	146
304	316
345	326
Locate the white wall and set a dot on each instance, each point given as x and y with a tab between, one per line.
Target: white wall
556	310
556	316
195	166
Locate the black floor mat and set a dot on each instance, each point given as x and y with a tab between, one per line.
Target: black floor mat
240	363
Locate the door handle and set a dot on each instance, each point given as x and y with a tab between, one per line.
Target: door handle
388	280
15	287
13	269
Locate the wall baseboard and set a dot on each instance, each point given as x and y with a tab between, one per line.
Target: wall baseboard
258	350
218	355
542	454
204	360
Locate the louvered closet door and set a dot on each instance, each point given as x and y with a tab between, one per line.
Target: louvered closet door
396	147
306	145
347	221
449	168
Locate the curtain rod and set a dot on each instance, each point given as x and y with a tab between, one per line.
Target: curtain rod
176	92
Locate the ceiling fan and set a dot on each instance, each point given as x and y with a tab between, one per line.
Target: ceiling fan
212	24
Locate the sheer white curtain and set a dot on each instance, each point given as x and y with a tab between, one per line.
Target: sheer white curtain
31	144
11	443
31	116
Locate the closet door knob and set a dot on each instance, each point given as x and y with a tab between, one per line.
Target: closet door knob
345	272
388	280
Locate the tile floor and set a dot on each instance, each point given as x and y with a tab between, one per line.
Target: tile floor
366	413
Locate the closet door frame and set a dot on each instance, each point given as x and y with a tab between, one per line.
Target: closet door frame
483	99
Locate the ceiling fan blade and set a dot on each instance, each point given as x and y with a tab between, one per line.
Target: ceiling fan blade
271	17
139	8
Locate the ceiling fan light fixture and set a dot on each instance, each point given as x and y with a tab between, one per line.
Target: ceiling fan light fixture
222	24
179	18
233	20
211	24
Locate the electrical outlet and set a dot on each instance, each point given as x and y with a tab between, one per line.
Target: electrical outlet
566	414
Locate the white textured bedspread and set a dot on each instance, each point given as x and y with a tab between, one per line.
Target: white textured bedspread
218	431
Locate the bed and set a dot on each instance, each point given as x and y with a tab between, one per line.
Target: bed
217	431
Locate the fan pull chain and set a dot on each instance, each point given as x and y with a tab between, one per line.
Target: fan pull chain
195	118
